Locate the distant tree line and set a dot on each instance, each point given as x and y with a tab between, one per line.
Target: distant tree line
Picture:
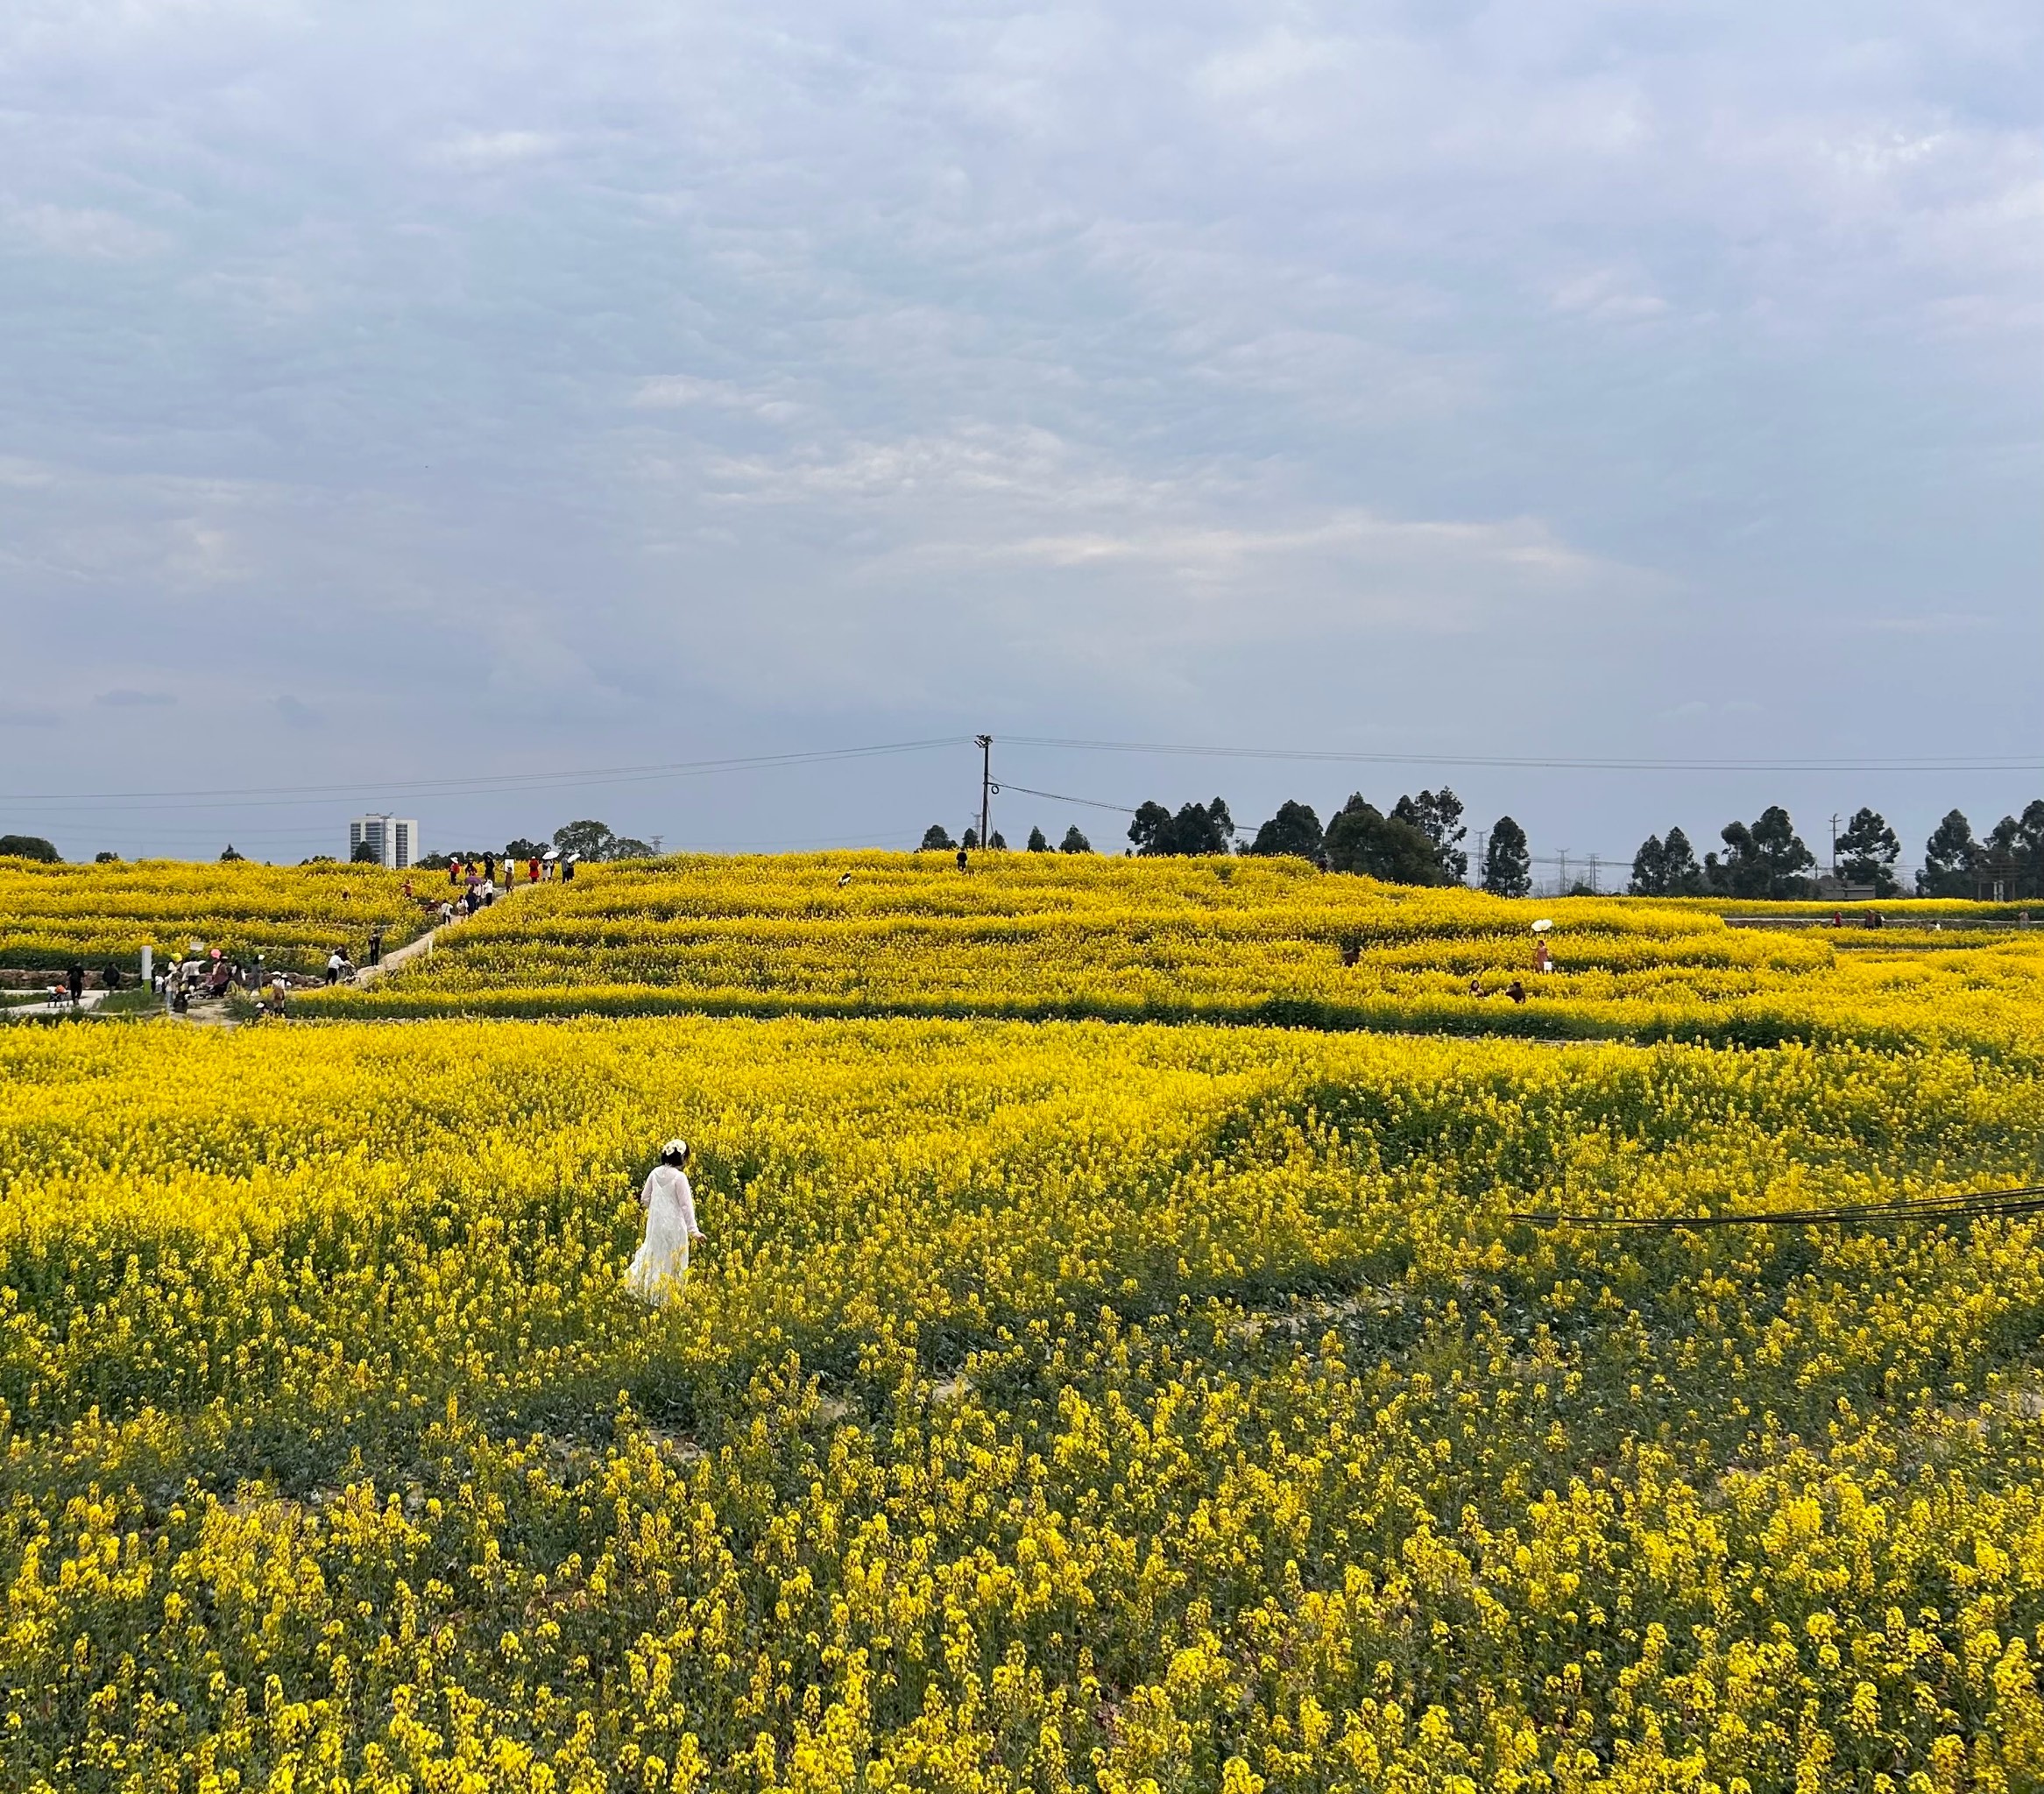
591	839
1766	859
1417	842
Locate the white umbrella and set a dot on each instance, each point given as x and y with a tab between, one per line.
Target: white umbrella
1542	926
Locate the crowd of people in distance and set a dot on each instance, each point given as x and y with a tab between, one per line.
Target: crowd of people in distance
211	973
476	880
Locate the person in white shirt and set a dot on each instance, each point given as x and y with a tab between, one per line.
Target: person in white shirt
663	1259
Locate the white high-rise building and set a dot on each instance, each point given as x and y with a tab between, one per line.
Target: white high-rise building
392	841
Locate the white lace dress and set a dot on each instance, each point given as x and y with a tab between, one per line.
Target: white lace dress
663	1259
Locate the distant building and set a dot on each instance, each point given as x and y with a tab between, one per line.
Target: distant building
392	841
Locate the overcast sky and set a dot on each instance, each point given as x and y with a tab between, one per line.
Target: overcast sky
406	392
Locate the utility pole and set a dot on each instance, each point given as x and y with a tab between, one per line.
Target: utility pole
986	746
1593	874
1482	835
1561	888
1834	843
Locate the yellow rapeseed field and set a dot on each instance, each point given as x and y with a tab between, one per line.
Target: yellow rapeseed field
1238	940
1053	1404
293	915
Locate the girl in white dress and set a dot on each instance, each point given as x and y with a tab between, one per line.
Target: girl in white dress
663	1259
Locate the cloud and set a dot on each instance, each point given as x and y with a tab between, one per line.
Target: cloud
17	715
481	151
126	698
838	369
86	232
296	713
1930	623
1610	295
682	392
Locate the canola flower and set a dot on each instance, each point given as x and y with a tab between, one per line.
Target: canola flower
1240	941
293	915
1059	1406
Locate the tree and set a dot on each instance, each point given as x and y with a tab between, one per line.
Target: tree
520	849
1362	839
1295	829
1678	867
1665	868
1039	841
1508	864
1152	820
1948	859
2031	829
1649	869
364	855
1198	828
998	841
1074	842
1867	853
106	856
628	847
935	838
1438	814
28	847
590	838
970	841
1766	859
228	853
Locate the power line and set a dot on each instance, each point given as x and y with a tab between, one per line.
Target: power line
1978	764
1061	797
255	796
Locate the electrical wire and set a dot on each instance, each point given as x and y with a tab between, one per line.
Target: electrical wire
261	796
1995	763
1061	797
1963	1205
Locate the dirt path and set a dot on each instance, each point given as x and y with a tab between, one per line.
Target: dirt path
87	1000
412	949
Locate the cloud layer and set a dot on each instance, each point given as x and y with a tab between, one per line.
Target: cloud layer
513	388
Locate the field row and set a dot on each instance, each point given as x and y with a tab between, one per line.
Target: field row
1345	954
50	915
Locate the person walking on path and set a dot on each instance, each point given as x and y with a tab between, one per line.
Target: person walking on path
333	966
75	979
663	1259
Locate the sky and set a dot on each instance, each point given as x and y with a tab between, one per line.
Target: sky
421	402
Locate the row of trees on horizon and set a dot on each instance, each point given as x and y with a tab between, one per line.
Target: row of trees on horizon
1419	842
